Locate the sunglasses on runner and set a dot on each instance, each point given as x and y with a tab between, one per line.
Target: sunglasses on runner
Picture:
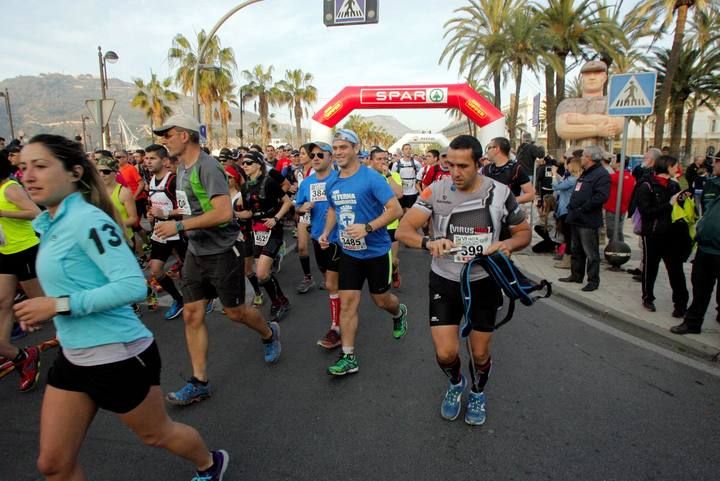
105	171
249	162
319	155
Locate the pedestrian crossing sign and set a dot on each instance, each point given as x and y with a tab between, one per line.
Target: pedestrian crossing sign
631	94
349	12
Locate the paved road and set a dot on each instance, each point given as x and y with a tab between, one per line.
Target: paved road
566	401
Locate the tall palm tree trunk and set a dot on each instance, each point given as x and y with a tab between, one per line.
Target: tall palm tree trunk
515	106
678	108
673	63
550	109
689	121
298	126
496	88
264	122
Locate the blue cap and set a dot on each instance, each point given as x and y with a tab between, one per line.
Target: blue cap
322	146
347	135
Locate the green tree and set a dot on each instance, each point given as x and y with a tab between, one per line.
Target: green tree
524	49
153	98
260	86
664	11
476	39
226	98
184	55
696	78
299	94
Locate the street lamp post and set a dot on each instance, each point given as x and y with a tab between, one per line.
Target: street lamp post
6	94
203	48
242	111
111	57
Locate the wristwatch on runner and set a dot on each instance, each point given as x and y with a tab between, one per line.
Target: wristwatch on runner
368	228
277	221
62	305
424	243
179	226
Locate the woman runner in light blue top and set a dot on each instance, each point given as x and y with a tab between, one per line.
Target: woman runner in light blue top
108	359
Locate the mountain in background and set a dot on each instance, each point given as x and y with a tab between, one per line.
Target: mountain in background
55	103
391	125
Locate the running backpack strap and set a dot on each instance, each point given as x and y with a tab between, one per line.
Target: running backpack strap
513	283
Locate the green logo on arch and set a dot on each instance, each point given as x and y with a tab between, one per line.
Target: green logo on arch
437	95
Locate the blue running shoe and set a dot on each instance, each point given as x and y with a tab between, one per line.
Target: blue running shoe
475	412
216	472
191	392
451	404
210	306
175	310
273	348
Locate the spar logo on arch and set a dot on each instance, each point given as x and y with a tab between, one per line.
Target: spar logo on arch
403	95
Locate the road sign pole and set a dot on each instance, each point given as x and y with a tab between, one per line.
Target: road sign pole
616	231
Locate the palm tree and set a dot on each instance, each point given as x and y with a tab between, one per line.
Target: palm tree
476	39
300	93
260	85
524	49
664	10
254	127
569	28
697	78
226	98
183	53
152	99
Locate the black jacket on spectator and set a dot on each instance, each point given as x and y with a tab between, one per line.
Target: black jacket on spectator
586	202
653	201
527	153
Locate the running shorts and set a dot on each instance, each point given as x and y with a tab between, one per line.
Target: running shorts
376	270
119	386
446	303
327	259
216	275
407	201
162	251
270	249
20	264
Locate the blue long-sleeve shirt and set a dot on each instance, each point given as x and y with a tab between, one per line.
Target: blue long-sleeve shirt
563	189
83	255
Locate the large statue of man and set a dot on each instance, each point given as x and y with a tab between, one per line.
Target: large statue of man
584	121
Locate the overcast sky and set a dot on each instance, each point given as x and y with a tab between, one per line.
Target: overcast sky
41	36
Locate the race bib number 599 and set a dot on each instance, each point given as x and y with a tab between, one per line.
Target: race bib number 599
471	245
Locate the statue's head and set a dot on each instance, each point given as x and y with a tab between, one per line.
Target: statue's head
593	76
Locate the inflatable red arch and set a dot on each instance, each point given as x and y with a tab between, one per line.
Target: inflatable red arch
438	96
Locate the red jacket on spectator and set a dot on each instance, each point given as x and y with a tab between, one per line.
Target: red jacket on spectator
628	187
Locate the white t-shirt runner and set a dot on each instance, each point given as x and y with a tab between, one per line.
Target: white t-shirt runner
469	219
408	170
